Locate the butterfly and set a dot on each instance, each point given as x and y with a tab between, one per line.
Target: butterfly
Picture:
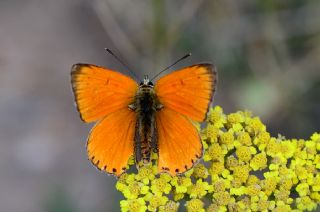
138	119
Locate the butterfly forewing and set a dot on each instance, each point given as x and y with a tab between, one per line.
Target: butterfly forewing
188	91
99	91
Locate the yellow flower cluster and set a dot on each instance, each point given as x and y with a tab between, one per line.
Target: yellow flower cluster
244	168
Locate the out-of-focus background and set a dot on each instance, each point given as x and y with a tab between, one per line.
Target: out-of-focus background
267	54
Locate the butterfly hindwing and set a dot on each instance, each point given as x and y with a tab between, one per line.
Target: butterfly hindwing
110	143
188	91
179	142
99	91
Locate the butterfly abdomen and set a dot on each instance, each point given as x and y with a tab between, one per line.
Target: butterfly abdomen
145	135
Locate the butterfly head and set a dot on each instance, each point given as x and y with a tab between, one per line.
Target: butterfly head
146	82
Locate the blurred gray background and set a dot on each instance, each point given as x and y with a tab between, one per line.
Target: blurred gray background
267	54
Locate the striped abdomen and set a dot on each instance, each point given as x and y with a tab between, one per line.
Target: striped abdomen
145	135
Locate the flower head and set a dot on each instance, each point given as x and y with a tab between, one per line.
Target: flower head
138	205
245	153
170	206
155	201
195	205
241	173
200	171
215	152
227	139
199	189
222	198
244	138
244	168
161	184
181	183
259	161
146	173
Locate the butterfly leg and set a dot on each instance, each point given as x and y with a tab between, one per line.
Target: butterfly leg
132	107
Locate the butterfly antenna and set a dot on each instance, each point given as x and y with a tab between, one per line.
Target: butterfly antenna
182	58
121	61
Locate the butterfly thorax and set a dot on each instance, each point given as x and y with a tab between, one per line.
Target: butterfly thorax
145	105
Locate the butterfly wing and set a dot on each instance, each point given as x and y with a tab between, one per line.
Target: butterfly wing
185	94
110	143
188	91
99	91
104	95
179	143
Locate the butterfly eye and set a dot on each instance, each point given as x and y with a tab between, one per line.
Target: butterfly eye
141	83
150	83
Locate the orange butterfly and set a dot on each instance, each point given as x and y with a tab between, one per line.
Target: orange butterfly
138	119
